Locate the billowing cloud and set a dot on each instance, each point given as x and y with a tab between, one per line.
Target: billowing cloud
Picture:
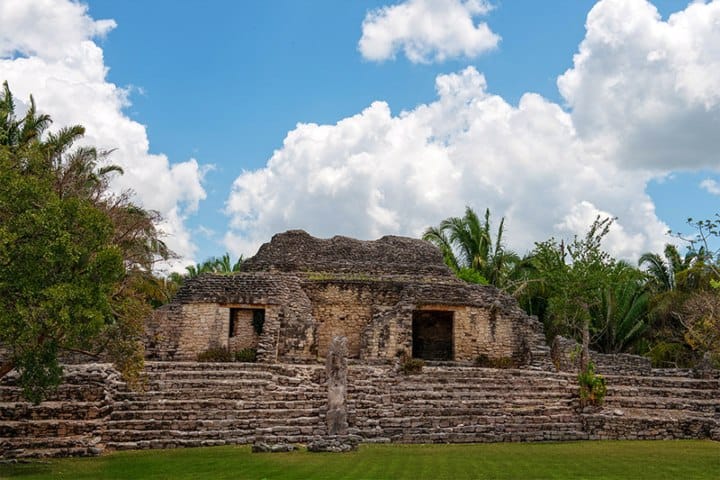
427	31
642	101
47	49
375	173
644	90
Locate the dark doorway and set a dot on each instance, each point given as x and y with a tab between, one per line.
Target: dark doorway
245	321
432	335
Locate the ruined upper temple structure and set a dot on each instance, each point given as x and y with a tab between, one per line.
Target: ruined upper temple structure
388	297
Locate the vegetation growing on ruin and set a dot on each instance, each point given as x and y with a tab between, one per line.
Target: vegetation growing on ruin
225	355
656	460
592	387
667	307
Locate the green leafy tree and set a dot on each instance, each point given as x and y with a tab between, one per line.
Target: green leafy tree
577	276
682	287
72	255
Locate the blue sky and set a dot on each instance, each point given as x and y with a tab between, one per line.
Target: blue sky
220	86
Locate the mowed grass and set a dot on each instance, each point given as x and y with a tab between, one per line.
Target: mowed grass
676	460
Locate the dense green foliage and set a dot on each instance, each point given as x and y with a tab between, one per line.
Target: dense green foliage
74	258
668	307
468	248
656	460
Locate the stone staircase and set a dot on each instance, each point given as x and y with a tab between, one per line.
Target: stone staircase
661	405
463	404
200	404
188	404
67	424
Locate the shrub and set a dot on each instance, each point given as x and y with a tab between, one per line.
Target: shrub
592	387
485	361
246	355
222	354
409	365
471	275
216	354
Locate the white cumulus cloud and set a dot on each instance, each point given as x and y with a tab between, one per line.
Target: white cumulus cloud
427	31
375	173
710	186
647	91
48	49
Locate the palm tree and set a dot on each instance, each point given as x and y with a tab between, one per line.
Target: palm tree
17	133
621	317
663	272
466	244
215	265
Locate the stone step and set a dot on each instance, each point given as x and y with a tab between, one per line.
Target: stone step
669	392
663	382
55	410
455	396
650	425
664	403
48	428
177	443
202	383
154	375
61	452
464	388
162	366
211	414
293	421
190	438
465	411
182	405
220	393
49	443
179	394
519	435
79	393
479	421
468	402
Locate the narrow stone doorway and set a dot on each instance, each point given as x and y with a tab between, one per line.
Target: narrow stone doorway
432	335
245	327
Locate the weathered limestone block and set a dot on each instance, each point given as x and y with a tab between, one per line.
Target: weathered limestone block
262	447
335	444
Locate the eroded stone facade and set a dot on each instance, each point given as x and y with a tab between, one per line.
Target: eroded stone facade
386	297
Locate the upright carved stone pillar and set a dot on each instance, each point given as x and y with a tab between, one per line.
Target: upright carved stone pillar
336	367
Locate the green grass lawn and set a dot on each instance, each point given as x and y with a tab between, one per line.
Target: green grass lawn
676	460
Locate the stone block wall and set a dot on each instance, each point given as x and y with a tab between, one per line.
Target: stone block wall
345	307
566	357
199	318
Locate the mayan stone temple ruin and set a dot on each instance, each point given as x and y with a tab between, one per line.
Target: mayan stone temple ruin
332	323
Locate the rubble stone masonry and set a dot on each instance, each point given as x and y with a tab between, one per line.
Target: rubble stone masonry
202	404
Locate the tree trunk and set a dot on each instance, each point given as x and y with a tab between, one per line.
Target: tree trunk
585	354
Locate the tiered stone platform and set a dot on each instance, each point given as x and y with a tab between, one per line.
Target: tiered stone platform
197	404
